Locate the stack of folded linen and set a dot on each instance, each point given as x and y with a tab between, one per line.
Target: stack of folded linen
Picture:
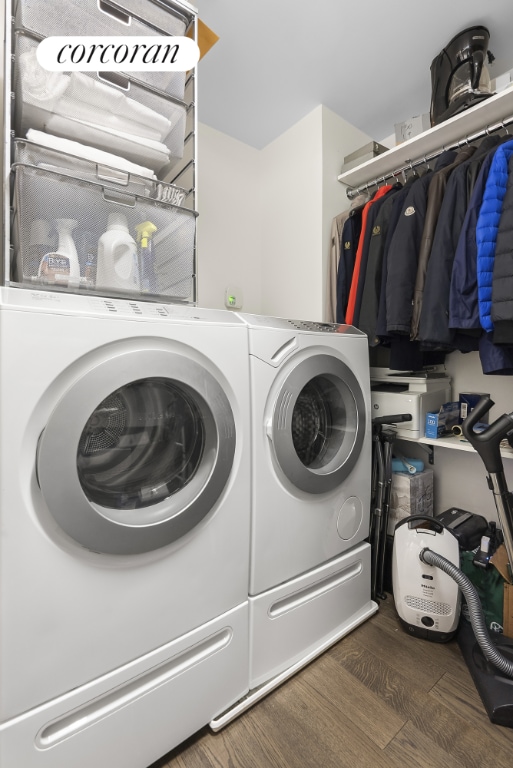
78	107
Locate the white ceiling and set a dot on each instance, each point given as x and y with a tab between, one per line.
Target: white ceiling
368	62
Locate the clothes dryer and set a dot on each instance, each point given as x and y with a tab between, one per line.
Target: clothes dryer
124	526
311	482
311	437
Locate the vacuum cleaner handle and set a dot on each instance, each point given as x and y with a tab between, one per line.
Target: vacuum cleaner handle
396	418
487	443
432	522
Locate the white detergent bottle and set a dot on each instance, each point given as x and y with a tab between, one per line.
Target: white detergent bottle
117	257
66	245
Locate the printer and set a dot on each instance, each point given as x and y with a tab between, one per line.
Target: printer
416	393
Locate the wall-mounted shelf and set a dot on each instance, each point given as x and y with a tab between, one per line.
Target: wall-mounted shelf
455	443
488	113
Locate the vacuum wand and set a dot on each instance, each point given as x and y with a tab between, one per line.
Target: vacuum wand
487	445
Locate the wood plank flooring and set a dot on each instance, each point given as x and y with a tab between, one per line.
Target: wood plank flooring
378	698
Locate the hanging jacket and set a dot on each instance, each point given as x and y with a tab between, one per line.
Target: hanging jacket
463	300
435	196
434	328
351	303
371	282
496	359
487	228
402	258
397	208
337	226
403	253
372	231
348	248
502	283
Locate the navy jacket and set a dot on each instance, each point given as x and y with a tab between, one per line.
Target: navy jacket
463	301
348	247
404	249
371	291
434	330
395	213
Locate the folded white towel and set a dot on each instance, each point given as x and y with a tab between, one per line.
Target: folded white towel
88	113
82	97
107	97
88	153
152	154
40	87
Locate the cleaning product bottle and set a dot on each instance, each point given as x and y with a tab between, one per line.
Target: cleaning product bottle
40	243
117	257
145	232
62	266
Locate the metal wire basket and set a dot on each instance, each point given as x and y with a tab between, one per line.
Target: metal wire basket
100	17
43	197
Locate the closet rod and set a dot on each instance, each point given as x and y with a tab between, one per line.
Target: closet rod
353	192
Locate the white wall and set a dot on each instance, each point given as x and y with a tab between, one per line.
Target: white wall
300	196
265	216
229	226
339	138
291	195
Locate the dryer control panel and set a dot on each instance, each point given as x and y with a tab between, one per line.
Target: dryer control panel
310	325
307	326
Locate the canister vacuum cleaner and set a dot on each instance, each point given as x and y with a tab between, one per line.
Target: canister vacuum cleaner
428	583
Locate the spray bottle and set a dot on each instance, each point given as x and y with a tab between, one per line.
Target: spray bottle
62	266
145	232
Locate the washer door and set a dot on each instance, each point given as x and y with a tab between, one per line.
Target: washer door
318	424
127	463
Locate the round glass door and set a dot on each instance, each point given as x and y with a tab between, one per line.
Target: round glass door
129	464
318	424
319	420
142	444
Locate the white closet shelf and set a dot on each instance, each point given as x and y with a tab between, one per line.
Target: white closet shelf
485	114
455	443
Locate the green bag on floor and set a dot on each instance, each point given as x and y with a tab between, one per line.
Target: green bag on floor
490	587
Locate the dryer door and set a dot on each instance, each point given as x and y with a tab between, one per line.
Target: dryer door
137	451
318	424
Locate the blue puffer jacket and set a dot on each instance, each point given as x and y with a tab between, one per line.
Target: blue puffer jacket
487	227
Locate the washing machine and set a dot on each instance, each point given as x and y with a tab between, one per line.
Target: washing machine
311	484
124	526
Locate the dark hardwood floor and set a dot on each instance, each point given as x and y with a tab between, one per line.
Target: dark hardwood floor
378	698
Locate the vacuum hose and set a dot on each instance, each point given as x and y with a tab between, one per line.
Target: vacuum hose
475	610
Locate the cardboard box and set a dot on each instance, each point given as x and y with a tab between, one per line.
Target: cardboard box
372	147
367	152
412	127
410	495
501	82
468	401
440	423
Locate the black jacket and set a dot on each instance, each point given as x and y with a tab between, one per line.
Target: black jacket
434	328
348	247
502	284
403	258
435	197
368	300
395	213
